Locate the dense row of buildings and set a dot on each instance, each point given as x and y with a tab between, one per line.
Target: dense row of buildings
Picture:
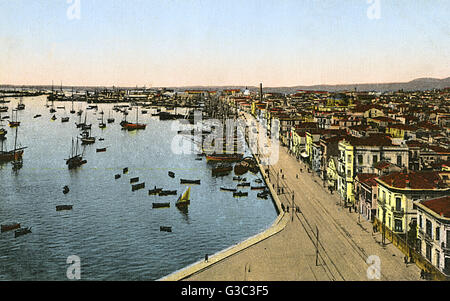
385	154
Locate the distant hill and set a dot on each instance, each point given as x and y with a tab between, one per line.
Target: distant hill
420	84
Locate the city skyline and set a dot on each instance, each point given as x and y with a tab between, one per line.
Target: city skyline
210	43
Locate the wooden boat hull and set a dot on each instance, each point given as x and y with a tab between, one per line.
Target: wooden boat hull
228	189
258	188
165	229
137	186
161	205
184	181
240	194
10	227
11	156
64	207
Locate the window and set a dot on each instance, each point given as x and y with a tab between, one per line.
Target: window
375	159
438	233
399	161
398	204
438	257
420	221
360	159
398	225
428	228
428	252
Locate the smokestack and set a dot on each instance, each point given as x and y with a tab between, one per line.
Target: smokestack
260	93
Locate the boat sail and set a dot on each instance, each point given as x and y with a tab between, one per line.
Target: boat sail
184	199
76	159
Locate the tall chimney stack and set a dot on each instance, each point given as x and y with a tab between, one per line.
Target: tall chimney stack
260	93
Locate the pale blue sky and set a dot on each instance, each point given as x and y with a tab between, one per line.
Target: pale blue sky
193	42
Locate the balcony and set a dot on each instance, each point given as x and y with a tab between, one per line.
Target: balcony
398	212
445	248
425	235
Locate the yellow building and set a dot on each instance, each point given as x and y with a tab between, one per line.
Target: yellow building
398	191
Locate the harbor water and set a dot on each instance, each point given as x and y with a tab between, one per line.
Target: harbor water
113	230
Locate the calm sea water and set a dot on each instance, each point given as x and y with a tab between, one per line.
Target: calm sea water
113	230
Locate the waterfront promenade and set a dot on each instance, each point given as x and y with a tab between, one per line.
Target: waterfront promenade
287	251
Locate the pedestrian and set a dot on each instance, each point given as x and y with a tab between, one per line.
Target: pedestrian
288	208
296	176
206	258
422	274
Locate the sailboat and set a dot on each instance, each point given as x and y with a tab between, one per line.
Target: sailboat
184	199
65	118
3	108
76	159
21	106
13	155
133	126
73	110
102	125
110	119
86	137
14	123
17	160
3	132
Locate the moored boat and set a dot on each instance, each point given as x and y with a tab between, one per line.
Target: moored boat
228	189
22	231
64	207
165	229
10	227
240	194
184	199
184	181
160	205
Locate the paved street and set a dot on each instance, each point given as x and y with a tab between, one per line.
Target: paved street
344	243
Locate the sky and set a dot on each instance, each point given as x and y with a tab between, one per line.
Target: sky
167	43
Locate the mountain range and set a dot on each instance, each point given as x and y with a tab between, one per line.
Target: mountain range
420	84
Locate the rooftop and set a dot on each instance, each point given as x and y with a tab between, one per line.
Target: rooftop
441	206
415	180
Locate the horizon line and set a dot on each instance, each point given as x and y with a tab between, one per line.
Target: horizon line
225	85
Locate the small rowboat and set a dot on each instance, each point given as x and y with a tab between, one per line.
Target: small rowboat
134	180
240	194
137	186
228	189
165	229
10	227
167	192
161	205
154	191
64	207
22	231
258	187
101	150
184	181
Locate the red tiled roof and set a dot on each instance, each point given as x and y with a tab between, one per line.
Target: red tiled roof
372	140
367	178
417	180
440	205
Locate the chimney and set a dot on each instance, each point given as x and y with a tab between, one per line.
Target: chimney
260	92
